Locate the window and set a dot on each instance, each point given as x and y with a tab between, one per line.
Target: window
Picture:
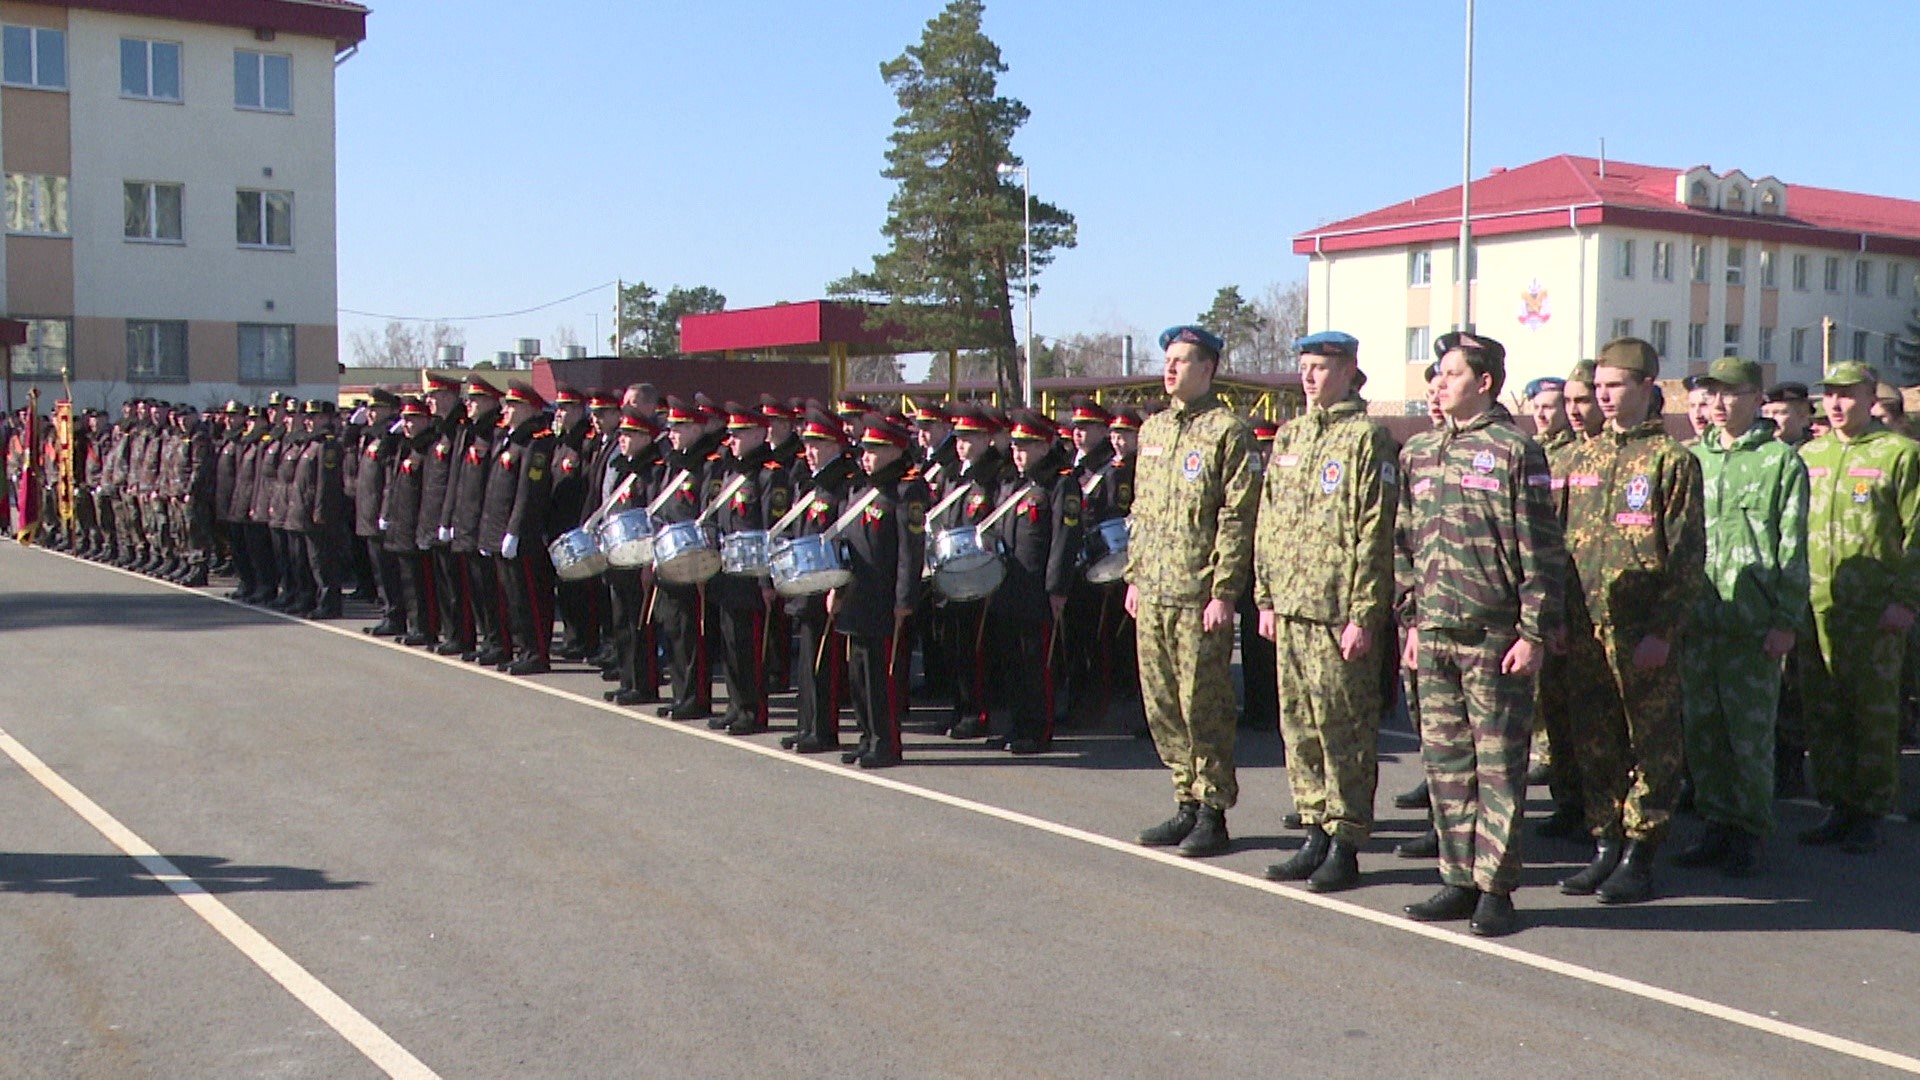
1730	343
1659	333
48	349
1419	345
35	56
1797	349
1895	271
1832	276
153	211
1663	260
1736	198
1623	259
1769	277
150	69
156	351
1419	267
1799	273
262	81
1622	328
266	354
1736	265
264	219
1765	346
1859	345
1696	341
1863	276
37	204
1700	263
1887	354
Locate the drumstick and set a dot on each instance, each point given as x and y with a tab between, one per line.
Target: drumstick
893	653
826	635
653	593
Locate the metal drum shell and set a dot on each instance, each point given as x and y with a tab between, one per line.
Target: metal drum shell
1107	550
685	553
746	554
577	555
627	538
808	566
963	567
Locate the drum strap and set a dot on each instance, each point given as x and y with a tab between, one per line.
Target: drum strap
946	504
666	492
787	519
859	507
738	482
1087	489
619	493
932	475
1006	505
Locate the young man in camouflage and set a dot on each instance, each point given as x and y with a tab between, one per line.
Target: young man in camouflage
1638	548
1745	622
1863	529
1195	492
1323	584
1478	567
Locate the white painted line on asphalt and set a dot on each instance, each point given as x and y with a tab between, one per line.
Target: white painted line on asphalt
377	1045
1646	991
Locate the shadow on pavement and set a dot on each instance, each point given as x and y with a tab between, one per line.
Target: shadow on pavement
91	876
126	610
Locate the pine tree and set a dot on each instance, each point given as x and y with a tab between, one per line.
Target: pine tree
955	224
1235	319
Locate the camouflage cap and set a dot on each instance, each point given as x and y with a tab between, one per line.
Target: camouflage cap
1733	371
1850	373
1582	373
1630	354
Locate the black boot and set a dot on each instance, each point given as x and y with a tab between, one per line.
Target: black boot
1340	870
1789	772
1831	830
1173	830
1415	798
1711	849
1451	904
1424	846
1494	916
1305	861
1209	835
1606	856
1632	881
1291	821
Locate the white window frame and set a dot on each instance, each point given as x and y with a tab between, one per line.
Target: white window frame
261	218
1797	346
1763	348
259	61
1859	345
1621	328
1420	268
148	191
37	205
1895	271
1701	264
1663	260
148	339
1696	341
1623	258
1736	264
1830	277
258	353
1769	269
1419	345
28	360
39	39
1862	277
149	46
1731	338
1802	273
1660	335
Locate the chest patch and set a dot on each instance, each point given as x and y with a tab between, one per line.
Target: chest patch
1483	462
1330	475
1639	493
1476	482
1190	465
1862	490
1287	461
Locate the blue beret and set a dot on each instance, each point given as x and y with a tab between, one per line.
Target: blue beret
1548	383
1328	343
1193	335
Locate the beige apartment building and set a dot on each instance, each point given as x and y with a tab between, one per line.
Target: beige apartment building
1570	252
170	196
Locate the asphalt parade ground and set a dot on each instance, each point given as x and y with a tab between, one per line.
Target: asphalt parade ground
236	844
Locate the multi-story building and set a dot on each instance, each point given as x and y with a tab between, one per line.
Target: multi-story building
170	195
1571	252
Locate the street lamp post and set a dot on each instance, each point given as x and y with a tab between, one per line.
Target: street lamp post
1026	362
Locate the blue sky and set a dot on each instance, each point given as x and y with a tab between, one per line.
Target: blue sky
496	155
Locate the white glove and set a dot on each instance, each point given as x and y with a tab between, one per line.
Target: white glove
383	524
509	546
446	534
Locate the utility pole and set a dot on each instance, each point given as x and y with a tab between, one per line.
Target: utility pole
619	315
1828	330
1464	310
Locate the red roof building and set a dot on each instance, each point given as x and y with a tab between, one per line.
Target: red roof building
1573	251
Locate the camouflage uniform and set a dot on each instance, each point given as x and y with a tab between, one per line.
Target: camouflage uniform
1637	545
1323	558
1479	566
1552	712
1755	501
1195	493
1863	554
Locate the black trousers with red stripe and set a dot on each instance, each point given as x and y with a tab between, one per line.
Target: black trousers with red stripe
966	659
879	686
579	603
386	572
635	656
822	686
485	603
416	593
1029	655
451	596
526	581
743	637
678	611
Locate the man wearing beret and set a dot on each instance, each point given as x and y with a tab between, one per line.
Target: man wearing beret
1323	584
1638	545
1790	407
1196	489
1746	621
1863	525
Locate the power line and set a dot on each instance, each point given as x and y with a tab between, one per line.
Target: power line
475	318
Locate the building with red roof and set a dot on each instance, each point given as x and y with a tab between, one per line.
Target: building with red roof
1571	251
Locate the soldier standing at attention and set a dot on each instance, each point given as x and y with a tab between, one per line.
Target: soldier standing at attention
1745	624
1583	411
1479	562
1863	527
1196	488
1637	541
1554	429
1787	404
512	530
1697	417
1323	584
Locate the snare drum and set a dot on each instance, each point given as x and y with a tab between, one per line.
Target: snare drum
685	553
627	538
577	555
966	566
1107	551
808	566
744	553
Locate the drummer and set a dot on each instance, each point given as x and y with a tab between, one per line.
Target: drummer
938	458
1042	535
821	670
1114	499
636	658
756	494
1081	652
978	471
678	608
